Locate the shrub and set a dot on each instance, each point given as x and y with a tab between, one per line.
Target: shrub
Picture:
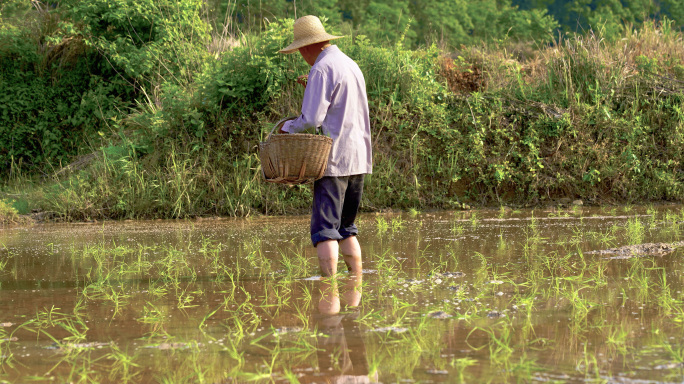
71	71
50	106
149	40
8	214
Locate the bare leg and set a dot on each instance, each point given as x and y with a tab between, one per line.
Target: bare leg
351	250
327	256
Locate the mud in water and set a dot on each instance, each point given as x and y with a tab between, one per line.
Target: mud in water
628	251
574	295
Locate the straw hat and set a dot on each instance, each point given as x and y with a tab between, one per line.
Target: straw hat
308	30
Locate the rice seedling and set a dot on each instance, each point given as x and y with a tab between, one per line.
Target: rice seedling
635	231
590	366
457	228
295	263
6	354
235	351
461	364
255	258
499	344
290	377
185	299
246	307
675	353
381	224
396	224
157	289
474	220
124	369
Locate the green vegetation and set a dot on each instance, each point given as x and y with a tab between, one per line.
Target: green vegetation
8	214
154	109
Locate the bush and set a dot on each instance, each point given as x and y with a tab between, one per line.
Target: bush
149	40
50	104
71	71
8	214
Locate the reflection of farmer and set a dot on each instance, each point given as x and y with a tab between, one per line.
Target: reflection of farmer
341	352
335	100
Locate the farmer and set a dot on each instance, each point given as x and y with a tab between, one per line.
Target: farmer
335	100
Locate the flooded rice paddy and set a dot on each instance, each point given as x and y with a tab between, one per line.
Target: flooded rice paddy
478	296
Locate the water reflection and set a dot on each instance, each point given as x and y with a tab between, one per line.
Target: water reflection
232	301
339	361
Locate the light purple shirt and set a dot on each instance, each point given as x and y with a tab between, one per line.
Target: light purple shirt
335	99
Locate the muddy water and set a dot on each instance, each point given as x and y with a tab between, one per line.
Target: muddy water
480	296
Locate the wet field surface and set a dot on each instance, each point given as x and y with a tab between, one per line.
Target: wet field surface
477	296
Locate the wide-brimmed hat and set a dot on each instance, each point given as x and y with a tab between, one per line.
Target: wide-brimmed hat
308	30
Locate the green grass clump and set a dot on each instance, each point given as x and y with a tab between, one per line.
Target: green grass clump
8	214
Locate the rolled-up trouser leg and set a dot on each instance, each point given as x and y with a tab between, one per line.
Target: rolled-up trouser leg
335	204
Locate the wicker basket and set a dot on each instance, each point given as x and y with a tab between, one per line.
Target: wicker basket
294	158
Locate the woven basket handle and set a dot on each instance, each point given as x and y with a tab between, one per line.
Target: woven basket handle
278	124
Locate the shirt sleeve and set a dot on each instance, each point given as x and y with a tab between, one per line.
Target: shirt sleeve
314	106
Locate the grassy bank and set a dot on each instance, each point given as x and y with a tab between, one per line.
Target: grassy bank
498	123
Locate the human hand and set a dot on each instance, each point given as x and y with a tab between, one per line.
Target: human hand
280	127
302	80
